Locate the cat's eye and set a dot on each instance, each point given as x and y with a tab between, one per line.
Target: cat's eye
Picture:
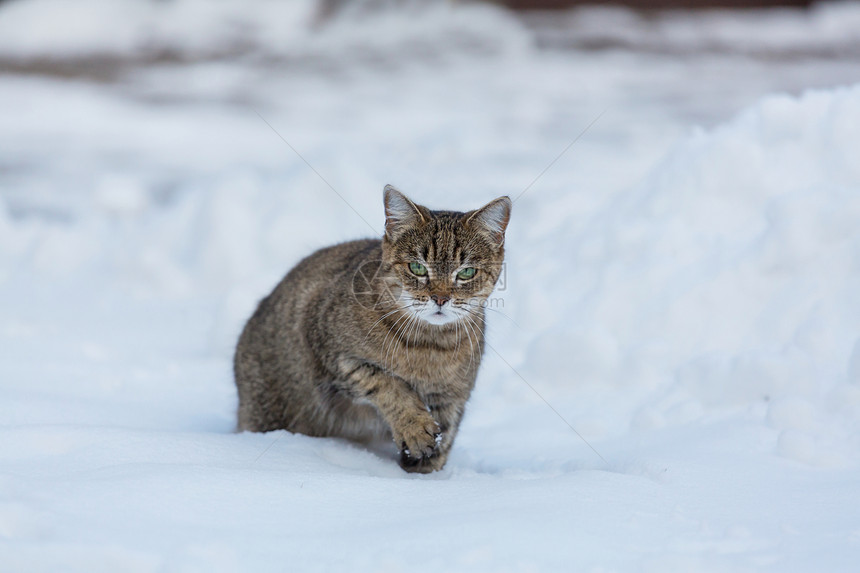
466	273
418	269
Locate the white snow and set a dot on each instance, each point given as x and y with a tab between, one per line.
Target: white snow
681	285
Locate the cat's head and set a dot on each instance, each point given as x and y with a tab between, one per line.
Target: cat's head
446	263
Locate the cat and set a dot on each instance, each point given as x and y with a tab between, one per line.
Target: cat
375	338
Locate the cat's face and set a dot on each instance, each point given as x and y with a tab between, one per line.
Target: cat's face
446	263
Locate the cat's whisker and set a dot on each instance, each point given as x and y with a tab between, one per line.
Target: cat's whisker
479	315
469	323
413	329
391	347
478	337
410	317
393	338
412	326
419	325
476	314
504	315
475	309
471	347
384	316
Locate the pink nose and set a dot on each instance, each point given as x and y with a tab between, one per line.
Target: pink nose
440	299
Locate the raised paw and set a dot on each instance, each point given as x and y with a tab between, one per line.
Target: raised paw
418	440
423	465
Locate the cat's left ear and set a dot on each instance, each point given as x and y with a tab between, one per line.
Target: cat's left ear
493	219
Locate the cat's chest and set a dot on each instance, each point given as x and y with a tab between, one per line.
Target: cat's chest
435	370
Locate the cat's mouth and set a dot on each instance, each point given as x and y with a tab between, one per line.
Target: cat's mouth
432	313
437	315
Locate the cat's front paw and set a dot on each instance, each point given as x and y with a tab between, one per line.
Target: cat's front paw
417	441
423	465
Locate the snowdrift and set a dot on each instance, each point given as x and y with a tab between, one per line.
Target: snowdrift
728	278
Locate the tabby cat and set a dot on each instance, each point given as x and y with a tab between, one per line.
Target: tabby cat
378	338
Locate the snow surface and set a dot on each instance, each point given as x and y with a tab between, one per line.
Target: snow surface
681	286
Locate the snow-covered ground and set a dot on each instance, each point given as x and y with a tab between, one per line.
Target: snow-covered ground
682	283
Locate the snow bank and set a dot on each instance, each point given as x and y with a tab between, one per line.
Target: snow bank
729	278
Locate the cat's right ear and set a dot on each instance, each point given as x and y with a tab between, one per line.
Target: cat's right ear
400	212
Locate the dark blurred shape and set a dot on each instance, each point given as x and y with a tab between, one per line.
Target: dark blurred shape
652	4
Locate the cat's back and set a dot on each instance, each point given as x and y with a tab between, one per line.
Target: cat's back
325	266
319	275
275	363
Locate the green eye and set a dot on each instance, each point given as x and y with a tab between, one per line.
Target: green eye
418	269
466	273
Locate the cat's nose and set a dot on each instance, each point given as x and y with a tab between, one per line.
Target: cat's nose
440	299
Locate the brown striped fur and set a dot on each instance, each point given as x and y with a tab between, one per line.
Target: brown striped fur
353	344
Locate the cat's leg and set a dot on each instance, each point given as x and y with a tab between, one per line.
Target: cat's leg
448	416
416	432
249	382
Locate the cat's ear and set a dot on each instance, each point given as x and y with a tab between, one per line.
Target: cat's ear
493	219
400	212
